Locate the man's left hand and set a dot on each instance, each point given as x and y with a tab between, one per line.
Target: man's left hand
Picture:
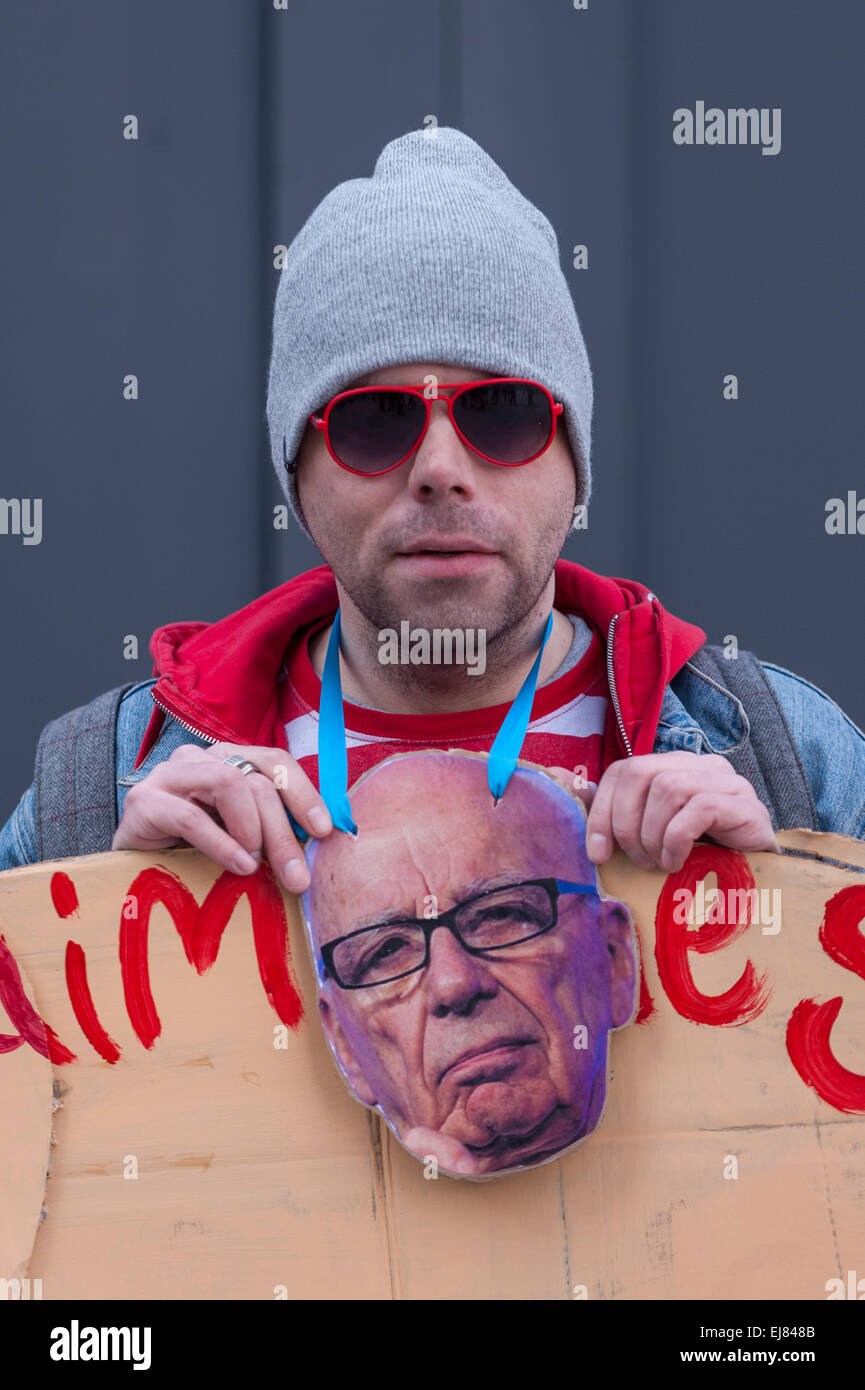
656	805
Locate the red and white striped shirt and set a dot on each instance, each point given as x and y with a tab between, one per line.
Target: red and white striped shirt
569	726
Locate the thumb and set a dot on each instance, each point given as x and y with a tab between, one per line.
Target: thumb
449	1153
575	782
563	776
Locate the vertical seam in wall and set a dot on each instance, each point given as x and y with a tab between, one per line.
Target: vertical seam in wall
266	88
639	263
450	63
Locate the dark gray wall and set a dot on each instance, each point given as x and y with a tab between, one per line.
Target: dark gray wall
154	257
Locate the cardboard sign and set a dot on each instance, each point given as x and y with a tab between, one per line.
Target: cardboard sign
206	1145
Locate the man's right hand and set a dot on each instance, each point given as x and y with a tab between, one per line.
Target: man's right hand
195	799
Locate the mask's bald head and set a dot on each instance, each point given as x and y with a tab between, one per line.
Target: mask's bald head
427	826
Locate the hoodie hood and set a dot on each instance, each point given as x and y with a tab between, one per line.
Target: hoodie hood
220	679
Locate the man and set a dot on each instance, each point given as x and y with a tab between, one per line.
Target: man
442	505
469	972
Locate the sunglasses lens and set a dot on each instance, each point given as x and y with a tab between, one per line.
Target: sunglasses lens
373	430
509	421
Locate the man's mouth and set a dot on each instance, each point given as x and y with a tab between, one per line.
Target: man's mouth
445	557
446	545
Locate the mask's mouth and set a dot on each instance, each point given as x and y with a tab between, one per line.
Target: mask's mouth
476	1063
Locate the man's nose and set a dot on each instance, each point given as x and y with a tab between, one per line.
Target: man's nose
456	979
442	462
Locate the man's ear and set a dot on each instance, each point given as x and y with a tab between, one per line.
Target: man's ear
338	1041
624	966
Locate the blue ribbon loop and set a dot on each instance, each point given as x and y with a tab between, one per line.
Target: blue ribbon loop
509	740
332	756
333	759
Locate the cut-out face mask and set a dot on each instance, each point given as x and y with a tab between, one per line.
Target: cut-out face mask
469	969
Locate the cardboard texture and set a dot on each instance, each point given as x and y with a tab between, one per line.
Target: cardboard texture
26	1089
227	1160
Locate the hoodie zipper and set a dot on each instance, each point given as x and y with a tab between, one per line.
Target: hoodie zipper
183	724
611	681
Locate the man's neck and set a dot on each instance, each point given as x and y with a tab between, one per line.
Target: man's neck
403	688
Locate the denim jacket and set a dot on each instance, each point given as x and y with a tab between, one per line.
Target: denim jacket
696	717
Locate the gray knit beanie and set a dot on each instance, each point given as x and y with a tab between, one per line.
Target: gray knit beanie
436	258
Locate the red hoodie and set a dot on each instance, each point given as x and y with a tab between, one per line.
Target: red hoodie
223	679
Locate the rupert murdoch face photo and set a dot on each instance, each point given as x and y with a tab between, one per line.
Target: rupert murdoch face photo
469	971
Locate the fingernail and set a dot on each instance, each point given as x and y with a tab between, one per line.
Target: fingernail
295	875
597	846
244	863
320	821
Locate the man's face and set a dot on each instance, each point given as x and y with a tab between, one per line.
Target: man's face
478	1048
504	527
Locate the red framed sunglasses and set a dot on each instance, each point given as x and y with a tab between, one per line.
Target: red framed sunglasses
506	420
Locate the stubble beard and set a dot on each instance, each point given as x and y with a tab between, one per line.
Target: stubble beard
449	603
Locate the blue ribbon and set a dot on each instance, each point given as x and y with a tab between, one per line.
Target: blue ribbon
333	760
332	756
509	739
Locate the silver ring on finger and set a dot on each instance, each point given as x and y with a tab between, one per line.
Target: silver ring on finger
240	762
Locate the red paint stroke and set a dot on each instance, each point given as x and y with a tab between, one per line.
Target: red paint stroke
749	996
200	930
63	895
32	1028
810	1024
648	1006
82	1004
